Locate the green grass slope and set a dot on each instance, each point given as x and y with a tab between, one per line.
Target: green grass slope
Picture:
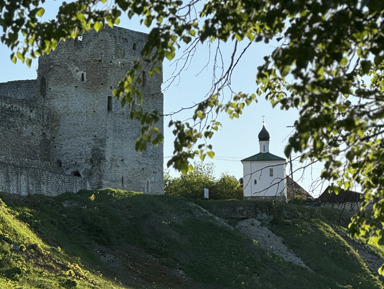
117	239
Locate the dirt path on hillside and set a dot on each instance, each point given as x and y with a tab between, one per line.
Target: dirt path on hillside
262	235
267	239
254	229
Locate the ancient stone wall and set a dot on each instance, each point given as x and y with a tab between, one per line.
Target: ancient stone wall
22	130
26	180
21	89
70	129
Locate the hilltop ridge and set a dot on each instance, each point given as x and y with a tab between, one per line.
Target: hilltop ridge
118	239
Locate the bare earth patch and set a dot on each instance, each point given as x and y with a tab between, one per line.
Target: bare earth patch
267	239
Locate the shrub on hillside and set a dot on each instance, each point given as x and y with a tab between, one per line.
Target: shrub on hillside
227	187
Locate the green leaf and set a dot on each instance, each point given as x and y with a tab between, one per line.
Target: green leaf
284	72
20	56
381	270
29	61
40	12
13	58
98	26
366	66
170	54
80	16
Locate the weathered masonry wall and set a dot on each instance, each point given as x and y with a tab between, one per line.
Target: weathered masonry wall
65	131
22	131
22	89
31	180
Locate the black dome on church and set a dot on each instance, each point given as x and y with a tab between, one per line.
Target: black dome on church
263	134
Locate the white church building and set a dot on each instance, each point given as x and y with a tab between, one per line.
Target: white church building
264	173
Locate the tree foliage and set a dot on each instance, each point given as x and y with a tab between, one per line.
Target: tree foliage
329	65
227	187
192	184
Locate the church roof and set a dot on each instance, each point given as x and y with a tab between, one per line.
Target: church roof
263	157
264	134
299	190
342	197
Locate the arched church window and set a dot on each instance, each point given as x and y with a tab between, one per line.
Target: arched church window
255	182
271	172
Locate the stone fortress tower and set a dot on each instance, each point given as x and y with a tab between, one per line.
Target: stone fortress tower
65	131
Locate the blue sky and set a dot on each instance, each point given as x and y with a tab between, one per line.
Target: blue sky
237	139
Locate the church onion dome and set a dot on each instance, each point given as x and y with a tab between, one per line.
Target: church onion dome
263	134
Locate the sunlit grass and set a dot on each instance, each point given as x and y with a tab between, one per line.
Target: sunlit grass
28	262
116	239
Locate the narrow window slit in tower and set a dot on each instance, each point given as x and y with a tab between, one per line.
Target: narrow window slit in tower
109	103
134	47
144	79
82	77
43	87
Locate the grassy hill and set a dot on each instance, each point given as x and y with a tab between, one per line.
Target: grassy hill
117	239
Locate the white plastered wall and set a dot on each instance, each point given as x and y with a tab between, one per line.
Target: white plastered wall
258	182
